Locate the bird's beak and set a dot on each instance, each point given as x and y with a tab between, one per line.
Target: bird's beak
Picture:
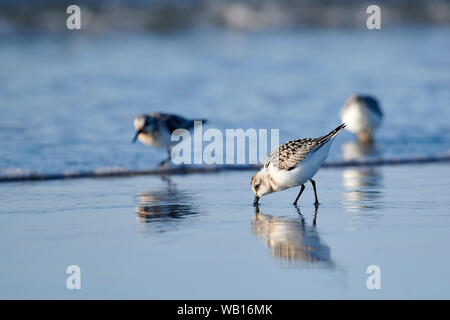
255	202
136	135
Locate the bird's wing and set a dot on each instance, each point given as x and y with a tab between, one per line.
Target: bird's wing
174	122
373	105
290	154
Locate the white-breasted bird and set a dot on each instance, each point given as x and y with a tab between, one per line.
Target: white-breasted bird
155	129
292	164
362	115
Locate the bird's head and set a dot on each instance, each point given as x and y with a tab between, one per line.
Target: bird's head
261	185
143	124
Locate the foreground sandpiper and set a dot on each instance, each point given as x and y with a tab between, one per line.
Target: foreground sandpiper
363	116
155	130
292	164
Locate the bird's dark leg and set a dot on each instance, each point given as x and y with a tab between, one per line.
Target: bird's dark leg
315	192
164	162
169	153
169	158
299	194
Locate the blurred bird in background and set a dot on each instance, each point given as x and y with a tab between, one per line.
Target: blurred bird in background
362	114
156	129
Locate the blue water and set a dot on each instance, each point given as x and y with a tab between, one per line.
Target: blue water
67	101
198	237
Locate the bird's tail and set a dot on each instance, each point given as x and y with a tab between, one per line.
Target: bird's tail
332	134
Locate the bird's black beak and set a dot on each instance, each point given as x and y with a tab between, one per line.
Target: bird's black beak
136	135
255	202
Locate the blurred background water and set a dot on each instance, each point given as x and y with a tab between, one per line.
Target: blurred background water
68	98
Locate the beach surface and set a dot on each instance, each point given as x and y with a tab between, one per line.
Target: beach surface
68	100
198	236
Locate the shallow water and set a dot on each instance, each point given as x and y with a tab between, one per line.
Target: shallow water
68	100
67	103
198	236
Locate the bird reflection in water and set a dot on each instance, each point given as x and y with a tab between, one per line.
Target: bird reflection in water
164	208
362	188
292	239
362	184
357	150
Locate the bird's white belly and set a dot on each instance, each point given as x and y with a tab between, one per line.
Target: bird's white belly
156	139
359	118
149	139
303	172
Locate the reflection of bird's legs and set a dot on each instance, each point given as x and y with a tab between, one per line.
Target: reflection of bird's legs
315	191
299	194
302	218
316	209
166	178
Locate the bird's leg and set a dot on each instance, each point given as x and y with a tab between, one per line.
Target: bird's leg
169	153
166	161
299	194
163	163
365	137
315	192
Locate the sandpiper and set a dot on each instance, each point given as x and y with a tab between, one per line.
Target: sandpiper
363	116
292	164
155	130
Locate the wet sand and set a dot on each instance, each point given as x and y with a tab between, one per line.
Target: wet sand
198	236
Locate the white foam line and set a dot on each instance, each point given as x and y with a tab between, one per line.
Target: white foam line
180	170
